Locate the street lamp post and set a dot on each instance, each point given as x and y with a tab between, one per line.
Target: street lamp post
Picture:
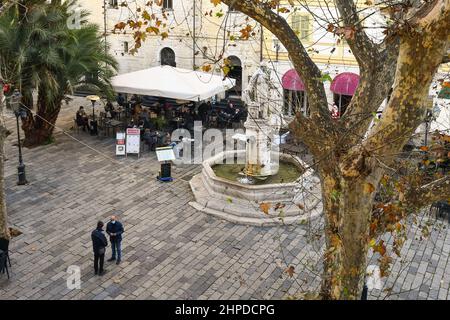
18	112
93	100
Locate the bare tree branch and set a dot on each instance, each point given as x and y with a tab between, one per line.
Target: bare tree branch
376	81
365	50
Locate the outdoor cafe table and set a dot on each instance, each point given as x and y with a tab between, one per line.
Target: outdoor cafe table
114	124
178	121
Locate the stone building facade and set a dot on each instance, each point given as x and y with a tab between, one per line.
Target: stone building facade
212	37
217	34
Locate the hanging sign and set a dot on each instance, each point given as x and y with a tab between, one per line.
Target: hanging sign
133	145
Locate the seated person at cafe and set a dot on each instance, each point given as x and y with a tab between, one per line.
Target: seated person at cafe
135	99
231	110
150	139
168	111
144	115
166	140
137	110
148	124
110	112
141	128
82	118
191	117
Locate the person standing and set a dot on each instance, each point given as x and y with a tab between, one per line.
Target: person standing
203	112
121	100
115	229
99	243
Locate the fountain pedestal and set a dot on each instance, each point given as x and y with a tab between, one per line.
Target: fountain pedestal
260	162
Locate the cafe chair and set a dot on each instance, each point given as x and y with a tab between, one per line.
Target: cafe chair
76	126
4	263
4	246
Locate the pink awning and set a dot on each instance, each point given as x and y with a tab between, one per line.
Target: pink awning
291	81
345	83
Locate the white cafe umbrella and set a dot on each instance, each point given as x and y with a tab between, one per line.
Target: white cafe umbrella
171	82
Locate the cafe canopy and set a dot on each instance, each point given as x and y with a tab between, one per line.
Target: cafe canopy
292	81
170	82
345	83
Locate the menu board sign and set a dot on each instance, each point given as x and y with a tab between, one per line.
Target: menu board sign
133	141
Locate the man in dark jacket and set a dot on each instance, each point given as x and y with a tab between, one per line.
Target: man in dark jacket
120	100
203	112
99	244
115	229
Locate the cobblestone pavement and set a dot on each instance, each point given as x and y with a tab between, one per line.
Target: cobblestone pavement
171	251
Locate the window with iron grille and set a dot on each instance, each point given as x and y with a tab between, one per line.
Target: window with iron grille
168	4
114	3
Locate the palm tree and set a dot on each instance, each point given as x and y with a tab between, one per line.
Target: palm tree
84	62
41	52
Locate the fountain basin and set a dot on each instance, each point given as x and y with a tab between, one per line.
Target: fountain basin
288	173
240	203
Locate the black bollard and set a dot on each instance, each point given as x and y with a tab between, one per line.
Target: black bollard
364	292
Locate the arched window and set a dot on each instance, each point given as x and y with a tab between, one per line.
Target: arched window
344	86
235	73
168	57
295	99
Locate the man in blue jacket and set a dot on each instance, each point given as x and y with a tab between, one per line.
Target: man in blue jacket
115	229
99	244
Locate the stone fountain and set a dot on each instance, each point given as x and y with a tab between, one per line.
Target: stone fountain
266	176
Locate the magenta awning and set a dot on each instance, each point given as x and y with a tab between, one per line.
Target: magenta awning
291	81
345	83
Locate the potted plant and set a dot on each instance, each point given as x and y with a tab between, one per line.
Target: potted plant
159	123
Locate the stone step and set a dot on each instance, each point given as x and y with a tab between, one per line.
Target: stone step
258	222
290	203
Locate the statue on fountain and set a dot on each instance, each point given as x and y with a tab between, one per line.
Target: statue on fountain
234	201
262	158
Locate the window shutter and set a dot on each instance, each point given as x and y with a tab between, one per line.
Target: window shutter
296	23
305	28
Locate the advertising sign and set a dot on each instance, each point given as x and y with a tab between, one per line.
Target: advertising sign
120	144
133	145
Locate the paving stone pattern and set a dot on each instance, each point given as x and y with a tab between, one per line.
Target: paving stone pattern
170	250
